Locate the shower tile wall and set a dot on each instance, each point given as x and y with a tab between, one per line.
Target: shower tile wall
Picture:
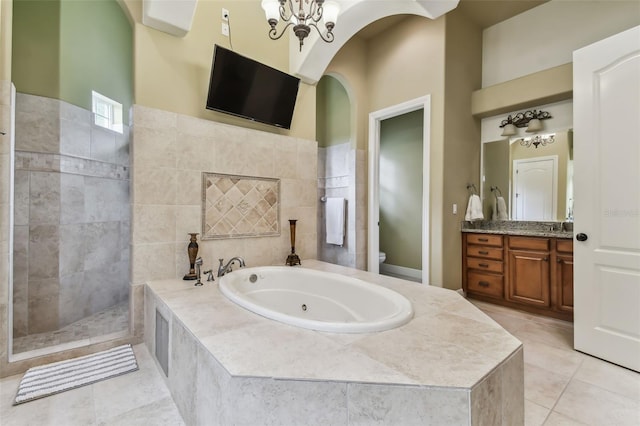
72	216
341	173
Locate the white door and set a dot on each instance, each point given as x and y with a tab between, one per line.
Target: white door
534	188
606	102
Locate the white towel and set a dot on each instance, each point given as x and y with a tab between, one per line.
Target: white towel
334	220
474	209
501	207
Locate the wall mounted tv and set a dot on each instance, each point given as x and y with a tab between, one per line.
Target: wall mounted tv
245	88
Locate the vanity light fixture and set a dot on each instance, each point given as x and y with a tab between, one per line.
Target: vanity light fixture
538	140
531	119
306	17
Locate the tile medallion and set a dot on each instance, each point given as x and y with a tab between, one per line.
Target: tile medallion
239	206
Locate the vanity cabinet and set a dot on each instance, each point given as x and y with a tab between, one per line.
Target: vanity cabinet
564	275
524	272
529	272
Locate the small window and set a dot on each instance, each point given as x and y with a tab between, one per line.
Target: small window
107	113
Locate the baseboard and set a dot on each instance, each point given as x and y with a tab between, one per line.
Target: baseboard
402	271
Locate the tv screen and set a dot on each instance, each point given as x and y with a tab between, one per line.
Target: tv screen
245	88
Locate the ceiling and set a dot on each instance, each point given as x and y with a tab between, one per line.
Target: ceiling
485	13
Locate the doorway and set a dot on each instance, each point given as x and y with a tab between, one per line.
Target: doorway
375	120
535	183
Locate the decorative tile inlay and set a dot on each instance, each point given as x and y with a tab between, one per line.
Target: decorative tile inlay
239	206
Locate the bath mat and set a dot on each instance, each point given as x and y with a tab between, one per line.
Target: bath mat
57	377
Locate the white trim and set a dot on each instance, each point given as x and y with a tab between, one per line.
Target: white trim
373	245
401	271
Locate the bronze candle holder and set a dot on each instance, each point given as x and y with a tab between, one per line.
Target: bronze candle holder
192	251
293	258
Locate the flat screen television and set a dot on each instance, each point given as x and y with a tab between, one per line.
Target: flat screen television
246	88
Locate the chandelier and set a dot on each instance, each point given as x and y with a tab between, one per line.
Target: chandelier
531	119
309	13
538	140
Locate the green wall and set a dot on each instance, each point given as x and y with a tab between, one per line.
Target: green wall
96	50
333	113
64	49
401	189
36	47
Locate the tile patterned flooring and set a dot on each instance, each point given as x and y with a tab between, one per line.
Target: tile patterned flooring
111	320
562	386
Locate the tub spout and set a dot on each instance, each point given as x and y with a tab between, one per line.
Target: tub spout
223	269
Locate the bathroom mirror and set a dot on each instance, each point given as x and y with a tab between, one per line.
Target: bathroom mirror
535	182
71	209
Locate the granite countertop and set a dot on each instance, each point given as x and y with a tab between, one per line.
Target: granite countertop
449	342
524	228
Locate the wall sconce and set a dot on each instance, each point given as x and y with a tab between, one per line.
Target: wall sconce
530	119
538	140
303	19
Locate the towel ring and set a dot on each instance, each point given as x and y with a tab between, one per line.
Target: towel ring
472	188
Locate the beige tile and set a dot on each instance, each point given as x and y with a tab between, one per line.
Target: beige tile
596	406
610	377
543	386
556	419
158	413
556	336
130	391
534	414
154	147
562	361
74	407
153	224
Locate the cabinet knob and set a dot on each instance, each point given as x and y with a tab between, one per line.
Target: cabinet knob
582	237
483	284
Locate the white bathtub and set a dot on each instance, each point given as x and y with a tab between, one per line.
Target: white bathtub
316	300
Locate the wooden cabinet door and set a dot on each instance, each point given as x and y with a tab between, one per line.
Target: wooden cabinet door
564	283
529	278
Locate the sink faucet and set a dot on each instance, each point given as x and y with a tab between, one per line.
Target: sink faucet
198	266
227	268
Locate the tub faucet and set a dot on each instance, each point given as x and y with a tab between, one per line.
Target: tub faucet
227	268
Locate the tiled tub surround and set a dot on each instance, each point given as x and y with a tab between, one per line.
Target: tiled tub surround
521	227
170	153
341	173
72	216
451	365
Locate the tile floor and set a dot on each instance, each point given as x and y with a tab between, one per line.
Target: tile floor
138	398
562	387
110	320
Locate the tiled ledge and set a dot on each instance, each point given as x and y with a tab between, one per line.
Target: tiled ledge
515	227
451	364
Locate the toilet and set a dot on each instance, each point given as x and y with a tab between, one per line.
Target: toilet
383	257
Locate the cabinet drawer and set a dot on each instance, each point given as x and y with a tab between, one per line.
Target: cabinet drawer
485	265
564	246
485	239
488	284
484	252
529	243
